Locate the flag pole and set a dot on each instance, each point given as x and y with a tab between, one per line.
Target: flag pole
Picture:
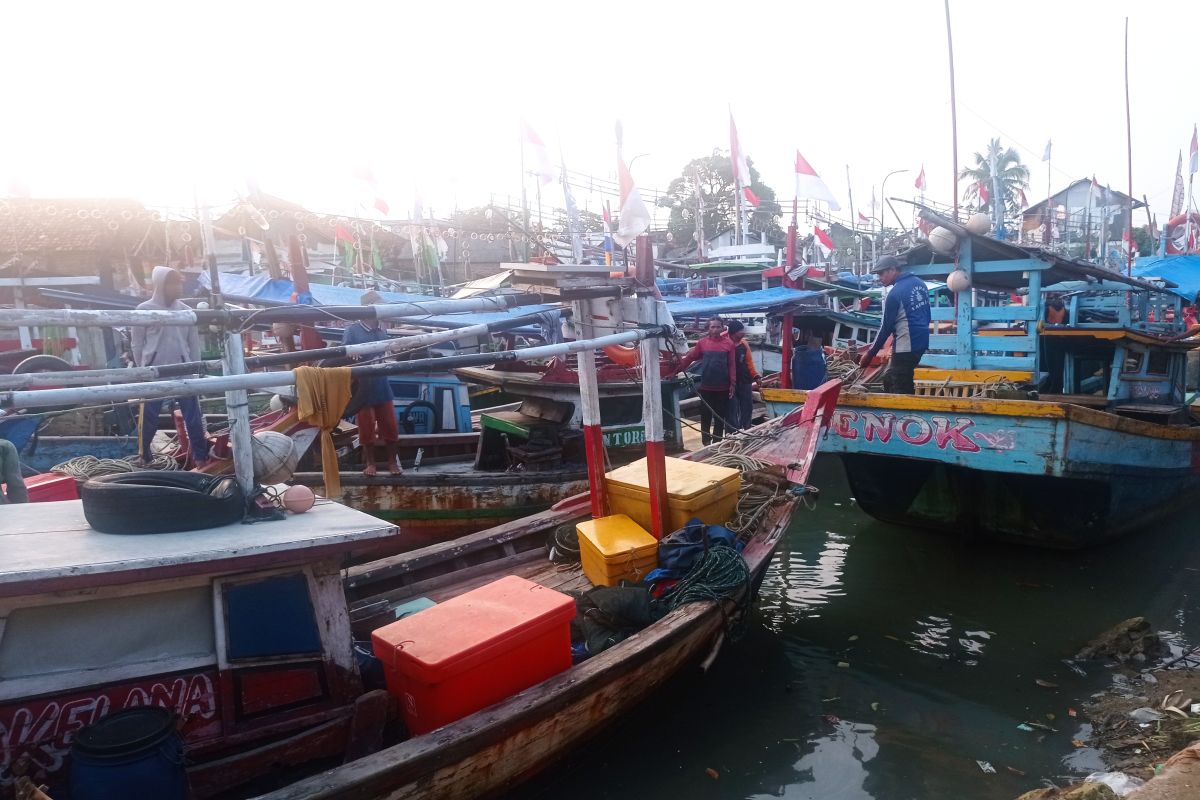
524	197
953	111
1129	157
853	218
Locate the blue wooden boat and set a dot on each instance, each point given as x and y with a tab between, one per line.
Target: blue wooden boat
1059	435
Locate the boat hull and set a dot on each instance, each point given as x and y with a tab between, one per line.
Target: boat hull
1048	474
434	506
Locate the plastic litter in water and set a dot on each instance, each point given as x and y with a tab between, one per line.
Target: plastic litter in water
1119	782
987	768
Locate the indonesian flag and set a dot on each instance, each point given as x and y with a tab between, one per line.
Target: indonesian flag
822	240
920	181
984	194
635	217
1177	193
1021	197
741	169
367	177
809	184
1194	151
751	197
342	234
863	217
544	168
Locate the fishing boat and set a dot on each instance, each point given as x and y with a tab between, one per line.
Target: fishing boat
498	746
1052	434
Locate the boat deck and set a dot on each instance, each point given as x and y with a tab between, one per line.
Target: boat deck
50	546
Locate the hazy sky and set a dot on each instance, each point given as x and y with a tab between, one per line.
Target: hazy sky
152	99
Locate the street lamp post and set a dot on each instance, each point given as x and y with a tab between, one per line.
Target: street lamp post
883	199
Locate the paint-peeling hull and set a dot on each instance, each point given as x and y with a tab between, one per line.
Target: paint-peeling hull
436	506
1040	473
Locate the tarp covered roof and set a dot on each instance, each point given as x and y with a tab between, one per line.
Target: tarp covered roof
1183	271
778	298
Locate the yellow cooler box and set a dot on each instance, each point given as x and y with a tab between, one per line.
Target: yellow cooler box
614	549
694	489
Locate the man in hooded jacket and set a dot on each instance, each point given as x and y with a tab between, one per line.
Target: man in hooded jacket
157	345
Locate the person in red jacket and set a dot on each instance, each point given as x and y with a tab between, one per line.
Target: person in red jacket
718	377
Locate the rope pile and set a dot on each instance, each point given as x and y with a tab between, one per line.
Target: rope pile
83	467
721	573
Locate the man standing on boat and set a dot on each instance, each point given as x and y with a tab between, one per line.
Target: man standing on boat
742	405
159	345
372	406
906	317
10	474
718	376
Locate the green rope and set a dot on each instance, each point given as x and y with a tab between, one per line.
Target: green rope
722	573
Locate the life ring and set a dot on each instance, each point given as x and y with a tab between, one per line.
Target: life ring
629	355
1180	238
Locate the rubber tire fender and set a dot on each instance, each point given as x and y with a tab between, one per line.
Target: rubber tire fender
406	421
154	501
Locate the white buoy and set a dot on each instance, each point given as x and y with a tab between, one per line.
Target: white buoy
943	241
275	457
958	281
979	224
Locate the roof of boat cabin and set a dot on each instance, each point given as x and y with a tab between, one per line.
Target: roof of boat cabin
778	298
50	546
1119	334
1059	269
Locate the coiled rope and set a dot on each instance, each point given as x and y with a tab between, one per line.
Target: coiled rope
83	467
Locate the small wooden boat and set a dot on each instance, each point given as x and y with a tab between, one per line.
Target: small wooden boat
501	745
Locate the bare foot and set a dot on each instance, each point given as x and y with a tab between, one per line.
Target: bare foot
394	468
369	470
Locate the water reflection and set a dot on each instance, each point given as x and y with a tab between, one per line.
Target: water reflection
883	663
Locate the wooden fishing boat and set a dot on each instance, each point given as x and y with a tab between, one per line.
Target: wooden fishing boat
1059	435
242	631
499	746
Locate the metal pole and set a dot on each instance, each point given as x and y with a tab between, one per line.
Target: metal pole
42	398
1129	152
997	198
237	405
652	419
953	110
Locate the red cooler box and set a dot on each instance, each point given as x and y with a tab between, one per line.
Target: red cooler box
474	650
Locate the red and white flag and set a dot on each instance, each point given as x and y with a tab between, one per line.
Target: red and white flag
983	192
920	181
822	240
543	167
635	217
809	184
371	189
1194	151
751	197
863	217
1021	197
741	168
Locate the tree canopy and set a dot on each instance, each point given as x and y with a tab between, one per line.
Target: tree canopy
714	176
1014	178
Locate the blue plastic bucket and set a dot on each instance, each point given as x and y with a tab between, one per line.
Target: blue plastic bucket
808	367
133	753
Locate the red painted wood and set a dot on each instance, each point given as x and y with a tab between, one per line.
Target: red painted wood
593	443
785	368
262	690
656	467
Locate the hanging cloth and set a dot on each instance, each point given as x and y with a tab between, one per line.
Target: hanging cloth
323	395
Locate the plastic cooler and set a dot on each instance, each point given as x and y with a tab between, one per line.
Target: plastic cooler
614	549
474	650
694	489
51	486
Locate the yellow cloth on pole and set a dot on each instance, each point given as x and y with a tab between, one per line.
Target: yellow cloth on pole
323	395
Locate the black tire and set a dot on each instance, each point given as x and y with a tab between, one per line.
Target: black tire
41	363
161	502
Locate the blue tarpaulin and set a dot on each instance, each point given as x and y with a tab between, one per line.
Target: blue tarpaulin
279	290
778	298
1183	271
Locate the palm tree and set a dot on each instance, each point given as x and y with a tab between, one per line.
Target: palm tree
1014	178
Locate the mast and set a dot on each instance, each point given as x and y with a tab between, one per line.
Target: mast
1129	153
953	110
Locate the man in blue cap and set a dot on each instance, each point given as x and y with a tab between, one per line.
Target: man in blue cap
906	317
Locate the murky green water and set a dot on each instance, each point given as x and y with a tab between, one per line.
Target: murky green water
884	662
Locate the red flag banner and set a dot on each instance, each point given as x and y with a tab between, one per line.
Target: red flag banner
920	182
751	197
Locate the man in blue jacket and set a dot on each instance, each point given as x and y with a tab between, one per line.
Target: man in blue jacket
906	317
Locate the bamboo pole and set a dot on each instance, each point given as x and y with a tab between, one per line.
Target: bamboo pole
239	316
101	377
265	380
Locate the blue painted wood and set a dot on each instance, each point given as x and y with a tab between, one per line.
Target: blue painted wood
1022	363
1006	314
51	450
964	355
1030	265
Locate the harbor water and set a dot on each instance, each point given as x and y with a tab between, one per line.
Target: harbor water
884	663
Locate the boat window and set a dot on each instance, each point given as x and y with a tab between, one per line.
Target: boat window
1159	363
1133	362
845	331
864	335
271	617
108	632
